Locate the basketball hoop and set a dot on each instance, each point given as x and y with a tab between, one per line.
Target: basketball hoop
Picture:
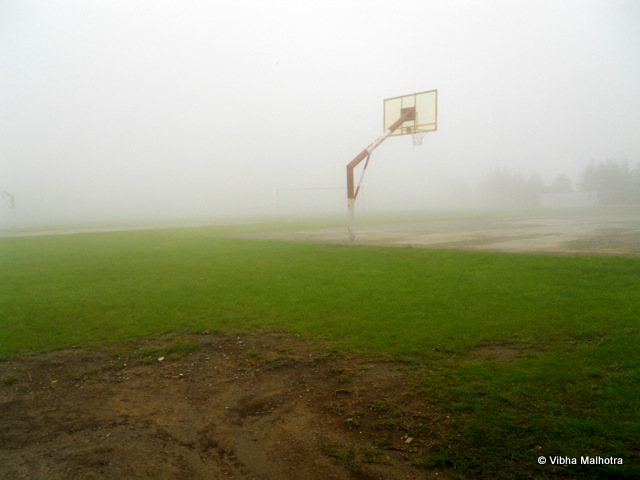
409	114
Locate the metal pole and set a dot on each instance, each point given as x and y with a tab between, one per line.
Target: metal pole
407	114
352	221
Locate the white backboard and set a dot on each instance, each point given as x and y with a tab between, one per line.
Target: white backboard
426	118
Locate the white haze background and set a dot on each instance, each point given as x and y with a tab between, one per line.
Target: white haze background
125	111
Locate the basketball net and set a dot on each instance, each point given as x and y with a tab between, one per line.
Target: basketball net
417	138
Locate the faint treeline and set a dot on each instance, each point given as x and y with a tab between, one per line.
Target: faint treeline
614	182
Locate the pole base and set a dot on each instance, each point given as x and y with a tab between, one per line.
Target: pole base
352	221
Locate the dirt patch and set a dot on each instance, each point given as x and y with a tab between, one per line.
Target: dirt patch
494	353
244	407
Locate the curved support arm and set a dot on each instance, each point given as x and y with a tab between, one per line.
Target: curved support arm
407	114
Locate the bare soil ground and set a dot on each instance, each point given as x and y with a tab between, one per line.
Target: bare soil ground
244	407
582	235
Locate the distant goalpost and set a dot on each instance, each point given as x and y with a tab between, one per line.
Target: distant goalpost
10	199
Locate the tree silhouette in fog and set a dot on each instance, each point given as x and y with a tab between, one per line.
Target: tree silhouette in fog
614	182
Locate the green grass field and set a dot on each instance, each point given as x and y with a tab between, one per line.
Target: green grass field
570	325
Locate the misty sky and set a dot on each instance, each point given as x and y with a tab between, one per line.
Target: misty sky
126	110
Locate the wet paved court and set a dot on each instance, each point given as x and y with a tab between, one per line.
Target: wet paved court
591	235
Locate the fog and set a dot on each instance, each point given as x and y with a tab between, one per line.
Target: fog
151	111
